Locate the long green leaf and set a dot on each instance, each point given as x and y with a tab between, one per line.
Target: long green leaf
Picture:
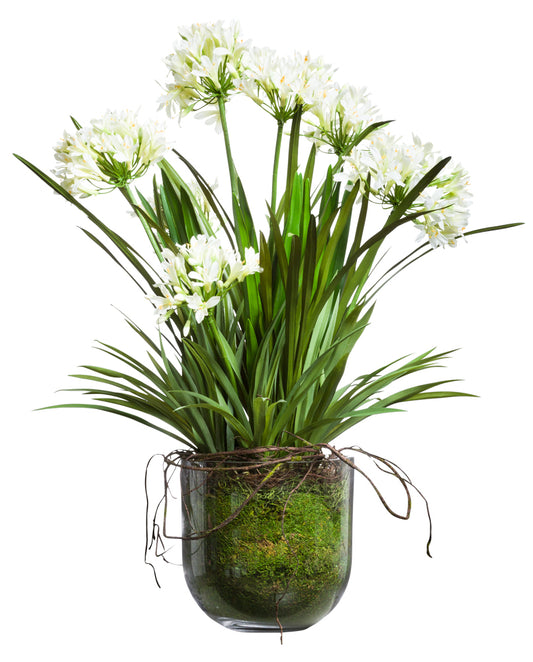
127	251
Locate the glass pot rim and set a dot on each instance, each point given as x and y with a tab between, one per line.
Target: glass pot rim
255	458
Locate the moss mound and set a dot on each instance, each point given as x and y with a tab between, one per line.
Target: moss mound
285	551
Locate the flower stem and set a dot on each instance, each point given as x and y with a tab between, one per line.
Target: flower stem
231	163
279	137
292	165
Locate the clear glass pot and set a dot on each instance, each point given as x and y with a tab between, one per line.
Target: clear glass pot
267	548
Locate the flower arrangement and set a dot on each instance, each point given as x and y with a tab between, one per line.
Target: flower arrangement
254	328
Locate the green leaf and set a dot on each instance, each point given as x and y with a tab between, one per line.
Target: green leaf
492	228
292	326
310	167
127	251
212	200
223	410
172	211
119	412
266	286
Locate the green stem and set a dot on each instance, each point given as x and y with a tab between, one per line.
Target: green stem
129	197
231	163
292	165
277	151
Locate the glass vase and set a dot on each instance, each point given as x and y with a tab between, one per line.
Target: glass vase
267	548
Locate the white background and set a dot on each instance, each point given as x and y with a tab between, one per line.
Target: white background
74	586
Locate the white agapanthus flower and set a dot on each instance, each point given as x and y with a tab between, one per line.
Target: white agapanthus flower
109	153
447	200
198	274
339	116
280	84
201	307
395	167
206	60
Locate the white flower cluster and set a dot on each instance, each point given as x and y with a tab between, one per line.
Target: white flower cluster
212	60
447	201
204	65
340	115
199	274
109	153
280	84
395	167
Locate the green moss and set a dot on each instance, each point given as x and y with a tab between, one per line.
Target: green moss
284	552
